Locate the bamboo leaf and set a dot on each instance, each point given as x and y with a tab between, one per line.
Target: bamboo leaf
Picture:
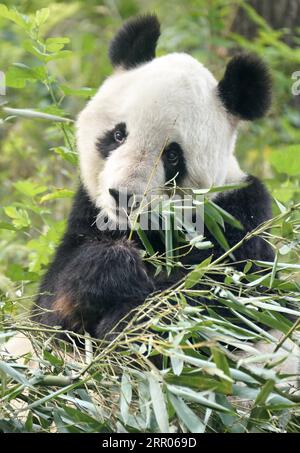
159	404
189	418
125	397
34	114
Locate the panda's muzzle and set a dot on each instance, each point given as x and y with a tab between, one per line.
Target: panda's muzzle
124	200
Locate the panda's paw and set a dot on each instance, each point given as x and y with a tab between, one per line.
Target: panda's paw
124	273
123	253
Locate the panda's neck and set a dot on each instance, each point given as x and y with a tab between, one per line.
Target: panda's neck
235	174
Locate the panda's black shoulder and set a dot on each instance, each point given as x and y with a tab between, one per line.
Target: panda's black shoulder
81	227
251	203
83	215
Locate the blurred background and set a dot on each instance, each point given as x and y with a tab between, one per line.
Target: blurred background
54	56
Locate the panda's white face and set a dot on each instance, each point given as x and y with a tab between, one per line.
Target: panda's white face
151	123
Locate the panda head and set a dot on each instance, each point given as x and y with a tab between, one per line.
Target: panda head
166	118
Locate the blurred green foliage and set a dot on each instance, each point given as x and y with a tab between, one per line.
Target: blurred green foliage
54	56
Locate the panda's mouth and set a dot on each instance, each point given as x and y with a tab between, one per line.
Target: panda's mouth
125	202
119	209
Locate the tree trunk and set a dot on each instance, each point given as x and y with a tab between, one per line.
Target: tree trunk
277	13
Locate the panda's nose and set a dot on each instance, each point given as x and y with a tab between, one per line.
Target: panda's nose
115	194
121	198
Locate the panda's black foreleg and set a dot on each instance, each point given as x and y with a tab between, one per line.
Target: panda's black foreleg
251	205
102	281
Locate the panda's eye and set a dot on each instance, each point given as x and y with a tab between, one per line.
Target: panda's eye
112	139
119	136
172	156
174	162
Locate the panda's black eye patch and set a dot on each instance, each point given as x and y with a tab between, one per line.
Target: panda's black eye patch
174	162
112	139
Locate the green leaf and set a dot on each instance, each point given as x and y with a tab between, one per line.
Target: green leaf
29	188
7	226
20	217
249	393
67	154
145	241
72	415
83	92
57	194
177	364
280	206
41	16
14	374
264	393
212	213
195	276
287	160
221	362
16	273
287	229
247	267
168	233
13	15
58	55
219	188
274	270
45	57
228	218
188	417
213	370
34	114
199	381
53	359
32	48
159	404
125	397
56	44
29	423
191	395
51	395
216	231
18	74
259	411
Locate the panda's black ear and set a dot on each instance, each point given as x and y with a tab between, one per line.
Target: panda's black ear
245	89
135	42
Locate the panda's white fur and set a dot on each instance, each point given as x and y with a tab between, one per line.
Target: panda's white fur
173	98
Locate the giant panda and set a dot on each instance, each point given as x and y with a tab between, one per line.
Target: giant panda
166	113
